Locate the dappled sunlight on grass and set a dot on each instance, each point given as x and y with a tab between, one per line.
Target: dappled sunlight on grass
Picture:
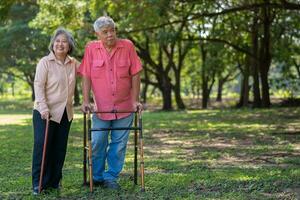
203	154
20	119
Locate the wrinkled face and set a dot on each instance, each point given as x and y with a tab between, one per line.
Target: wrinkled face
61	45
108	36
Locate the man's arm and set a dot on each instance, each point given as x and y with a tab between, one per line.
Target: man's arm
136	82
86	88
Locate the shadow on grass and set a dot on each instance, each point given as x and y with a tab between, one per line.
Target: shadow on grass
193	155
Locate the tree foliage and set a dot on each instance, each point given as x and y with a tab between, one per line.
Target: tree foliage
183	44
20	45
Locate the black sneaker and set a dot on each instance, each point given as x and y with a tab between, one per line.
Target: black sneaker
110	184
55	187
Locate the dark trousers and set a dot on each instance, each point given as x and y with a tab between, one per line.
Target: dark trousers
55	152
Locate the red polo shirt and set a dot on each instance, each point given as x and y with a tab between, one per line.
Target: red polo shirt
111	76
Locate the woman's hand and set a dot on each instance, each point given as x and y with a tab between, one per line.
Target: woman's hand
85	107
45	115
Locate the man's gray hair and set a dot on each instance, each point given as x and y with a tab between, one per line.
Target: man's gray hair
69	36
103	21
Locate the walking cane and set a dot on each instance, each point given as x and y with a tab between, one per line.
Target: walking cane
84	149
44	155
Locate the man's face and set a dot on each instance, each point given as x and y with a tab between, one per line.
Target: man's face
107	35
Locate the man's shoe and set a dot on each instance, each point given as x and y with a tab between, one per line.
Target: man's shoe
98	183
111	185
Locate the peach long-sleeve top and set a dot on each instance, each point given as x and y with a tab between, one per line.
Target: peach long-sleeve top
54	86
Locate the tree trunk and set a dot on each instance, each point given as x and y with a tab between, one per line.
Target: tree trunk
244	93
13	89
256	90
206	90
220	90
32	91
167	100
265	56
30	80
178	99
265	90
254	63
246	83
205	93
198	91
240	103
166	90
167	97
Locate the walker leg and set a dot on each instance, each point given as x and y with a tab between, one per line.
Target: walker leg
135	150
142	169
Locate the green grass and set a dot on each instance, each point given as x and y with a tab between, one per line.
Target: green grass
204	154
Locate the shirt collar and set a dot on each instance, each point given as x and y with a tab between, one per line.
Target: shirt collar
119	44
51	56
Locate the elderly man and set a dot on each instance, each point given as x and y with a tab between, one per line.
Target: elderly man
111	68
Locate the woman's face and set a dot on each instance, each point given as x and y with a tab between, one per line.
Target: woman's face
107	35
61	45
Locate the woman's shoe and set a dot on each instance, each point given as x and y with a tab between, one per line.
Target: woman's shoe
35	190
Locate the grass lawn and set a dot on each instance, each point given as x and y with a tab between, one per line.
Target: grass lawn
204	154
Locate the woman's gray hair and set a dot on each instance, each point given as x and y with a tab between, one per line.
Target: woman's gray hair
69	36
103	21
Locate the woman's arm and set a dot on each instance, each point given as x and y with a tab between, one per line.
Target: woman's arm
40	82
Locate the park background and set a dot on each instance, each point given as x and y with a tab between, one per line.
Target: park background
220	85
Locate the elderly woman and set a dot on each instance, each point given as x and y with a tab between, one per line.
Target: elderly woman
54	86
111	70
